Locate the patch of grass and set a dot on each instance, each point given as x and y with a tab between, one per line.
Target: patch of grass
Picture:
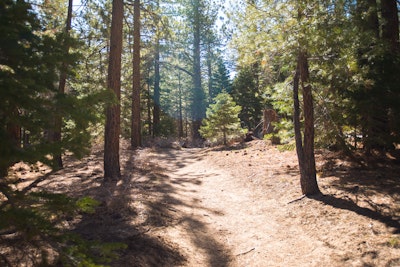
394	242
34	224
286	147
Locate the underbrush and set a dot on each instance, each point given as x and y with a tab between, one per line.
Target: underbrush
36	229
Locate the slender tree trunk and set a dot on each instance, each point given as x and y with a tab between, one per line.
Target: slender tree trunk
136	125
57	159
149	104
209	73
296	121
180	122
113	119
305	149
157	108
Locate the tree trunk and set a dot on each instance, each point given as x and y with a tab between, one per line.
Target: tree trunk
180	122
157	90
136	125
296	121
209	73
149	104
374	112
309	184
305	148
198	108
113	120
390	25
57	159
157	93
390	36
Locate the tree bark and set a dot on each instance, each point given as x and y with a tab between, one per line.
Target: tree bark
57	159
390	36
157	109
305	148
180	120
198	108
113	120
296	121
309	184
136	125
157	93
390	25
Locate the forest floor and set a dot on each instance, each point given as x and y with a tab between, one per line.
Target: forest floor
238	206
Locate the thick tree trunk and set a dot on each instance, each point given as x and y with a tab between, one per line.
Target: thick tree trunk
374	112
136	125
390	25
113	120
390	36
57	159
198	107
305	148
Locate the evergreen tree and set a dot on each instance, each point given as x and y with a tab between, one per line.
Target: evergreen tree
29	65
247	94
222	120
220	80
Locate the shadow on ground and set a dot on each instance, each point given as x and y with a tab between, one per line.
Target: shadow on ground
346	204
362	188
144	201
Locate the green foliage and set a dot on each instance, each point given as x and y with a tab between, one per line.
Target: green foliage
222	122
83	253
247	94
220	81
394	242
355	84
29	98
283	130
37	219
166	127
287	147
87	204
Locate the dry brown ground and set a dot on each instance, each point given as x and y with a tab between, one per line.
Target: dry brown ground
238	206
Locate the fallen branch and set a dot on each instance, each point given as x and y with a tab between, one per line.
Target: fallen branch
10	197
297	199
36	182
244	253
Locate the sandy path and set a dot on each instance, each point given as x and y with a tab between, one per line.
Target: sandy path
220	224
230	207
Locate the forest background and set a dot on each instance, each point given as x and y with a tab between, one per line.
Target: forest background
76	73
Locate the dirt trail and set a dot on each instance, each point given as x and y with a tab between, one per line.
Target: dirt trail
222	220
220	223
233	207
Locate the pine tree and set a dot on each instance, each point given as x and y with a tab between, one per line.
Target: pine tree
29	67
222	120
246	93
